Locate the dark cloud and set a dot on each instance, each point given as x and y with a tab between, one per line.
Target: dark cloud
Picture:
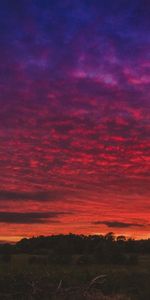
30	217
116	224
36	196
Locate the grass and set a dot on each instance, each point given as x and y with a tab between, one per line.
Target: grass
20	280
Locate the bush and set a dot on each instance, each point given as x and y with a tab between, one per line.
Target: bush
6	258
59	259
132	259
37	260
83	260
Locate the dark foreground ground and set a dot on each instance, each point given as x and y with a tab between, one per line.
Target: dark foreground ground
24	278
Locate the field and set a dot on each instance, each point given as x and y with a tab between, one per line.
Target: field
23	278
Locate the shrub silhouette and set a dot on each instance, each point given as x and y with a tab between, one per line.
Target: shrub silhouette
6	258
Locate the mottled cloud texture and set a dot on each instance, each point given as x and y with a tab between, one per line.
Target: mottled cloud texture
74	116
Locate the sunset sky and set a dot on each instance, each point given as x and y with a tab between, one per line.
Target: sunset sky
74	117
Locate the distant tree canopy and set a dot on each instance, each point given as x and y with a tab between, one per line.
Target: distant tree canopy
95	248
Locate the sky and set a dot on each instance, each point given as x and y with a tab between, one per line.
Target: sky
74	117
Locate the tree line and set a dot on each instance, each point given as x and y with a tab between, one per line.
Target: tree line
84	249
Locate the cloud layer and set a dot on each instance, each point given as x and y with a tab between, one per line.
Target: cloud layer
74	118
